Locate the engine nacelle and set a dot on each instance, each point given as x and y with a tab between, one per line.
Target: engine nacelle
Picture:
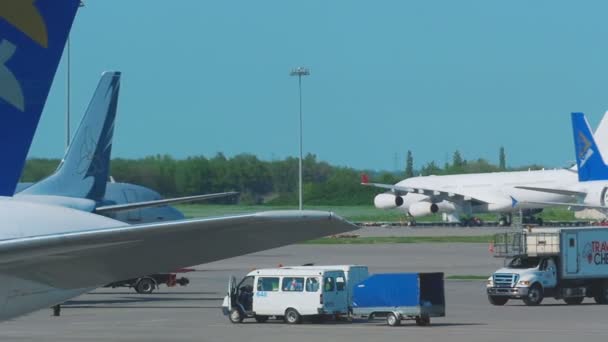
388	201
421	209
597	195
443	207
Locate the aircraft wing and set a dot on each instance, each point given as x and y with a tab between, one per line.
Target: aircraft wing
572	205
161	202
553	191
448	195
94	258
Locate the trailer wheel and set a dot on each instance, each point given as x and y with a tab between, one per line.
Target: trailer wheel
423	321
235	316
292	316
393	320
261	319
498	300
145	286
574	300
535	295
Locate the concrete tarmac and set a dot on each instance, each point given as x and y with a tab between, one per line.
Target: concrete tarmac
193	313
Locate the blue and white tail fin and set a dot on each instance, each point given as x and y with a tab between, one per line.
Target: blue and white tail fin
85	168
591	165
32	37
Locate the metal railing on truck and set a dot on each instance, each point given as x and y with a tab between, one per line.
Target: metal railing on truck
509	245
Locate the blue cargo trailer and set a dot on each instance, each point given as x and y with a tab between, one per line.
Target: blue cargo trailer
400	296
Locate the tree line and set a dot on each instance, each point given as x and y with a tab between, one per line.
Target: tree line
259	181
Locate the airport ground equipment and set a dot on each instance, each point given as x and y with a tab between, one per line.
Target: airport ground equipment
291	294
400	296
147	284
563	263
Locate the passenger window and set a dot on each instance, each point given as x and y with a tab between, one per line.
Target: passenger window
268	284
312	284
293	284
340	283
328	284
571	242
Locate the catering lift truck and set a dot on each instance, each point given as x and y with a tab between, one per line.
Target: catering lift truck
563	263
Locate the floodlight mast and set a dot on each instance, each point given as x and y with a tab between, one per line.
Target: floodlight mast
300	71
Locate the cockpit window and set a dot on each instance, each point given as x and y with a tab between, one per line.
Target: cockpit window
524	263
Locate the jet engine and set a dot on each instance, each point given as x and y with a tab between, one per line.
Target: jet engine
597	195
388	201
426	208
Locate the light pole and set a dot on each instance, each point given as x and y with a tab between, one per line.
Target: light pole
300	71
69	88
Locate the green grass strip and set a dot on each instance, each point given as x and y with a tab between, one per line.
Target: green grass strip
399	239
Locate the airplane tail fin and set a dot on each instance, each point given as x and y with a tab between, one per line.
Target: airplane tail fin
591	165
85	168
32	37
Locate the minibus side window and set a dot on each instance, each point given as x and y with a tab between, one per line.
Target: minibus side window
312	284
340	283
268	284
291	284
328	284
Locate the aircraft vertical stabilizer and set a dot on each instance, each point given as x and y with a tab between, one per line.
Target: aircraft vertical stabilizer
85	168
591	165
32	37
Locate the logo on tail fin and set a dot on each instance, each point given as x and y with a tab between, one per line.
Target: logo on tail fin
10	89
25	16
584	149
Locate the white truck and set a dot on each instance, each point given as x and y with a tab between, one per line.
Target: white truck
290	294
563	263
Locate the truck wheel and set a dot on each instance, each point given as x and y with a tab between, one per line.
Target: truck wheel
535	295
235	316
145	286
261	319
292	316
392	320
574	300
601	295
498	300
423	321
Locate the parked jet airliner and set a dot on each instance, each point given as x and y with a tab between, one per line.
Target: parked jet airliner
50	253
80	181
503	193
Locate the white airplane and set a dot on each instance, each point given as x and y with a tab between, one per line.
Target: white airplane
591	190
503	193
50	253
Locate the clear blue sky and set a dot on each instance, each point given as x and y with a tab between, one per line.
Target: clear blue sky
387	76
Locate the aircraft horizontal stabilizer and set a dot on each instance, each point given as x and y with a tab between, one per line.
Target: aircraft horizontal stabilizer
161	202
92	258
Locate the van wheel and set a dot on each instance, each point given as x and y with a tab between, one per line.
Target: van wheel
235	316
392	320
574	300
423	321
261	319
145	286
292	316
535	295
498	300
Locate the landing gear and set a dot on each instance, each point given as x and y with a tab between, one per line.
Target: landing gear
505	220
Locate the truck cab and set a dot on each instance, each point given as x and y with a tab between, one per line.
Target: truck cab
527	278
